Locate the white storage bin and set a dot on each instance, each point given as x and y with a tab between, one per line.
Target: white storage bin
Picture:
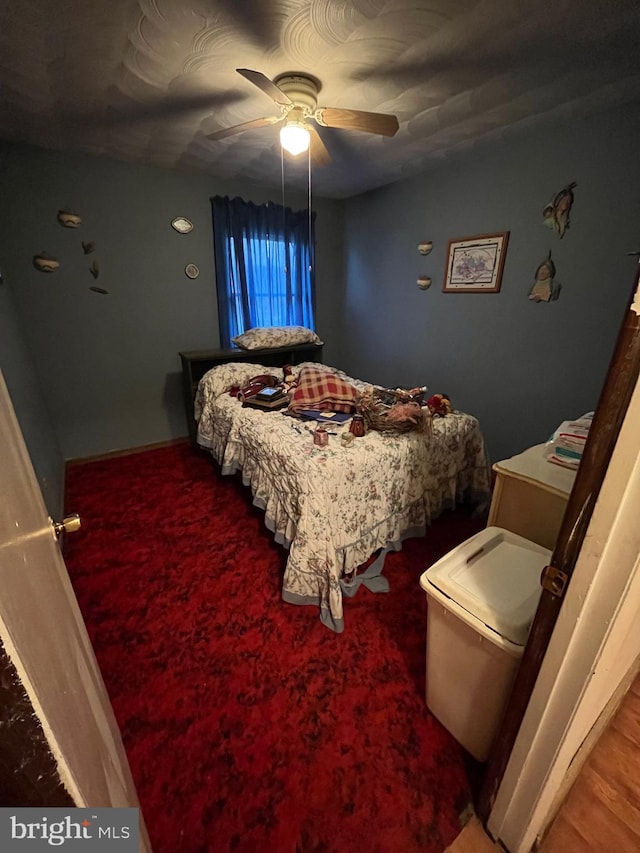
481	600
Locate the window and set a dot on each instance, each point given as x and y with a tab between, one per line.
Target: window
264	266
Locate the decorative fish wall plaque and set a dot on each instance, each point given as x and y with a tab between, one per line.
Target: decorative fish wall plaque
45	263
556	214
545	288
69	219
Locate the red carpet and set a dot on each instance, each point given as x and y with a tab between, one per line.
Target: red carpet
248	725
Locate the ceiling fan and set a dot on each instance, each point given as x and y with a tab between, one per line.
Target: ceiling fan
297	96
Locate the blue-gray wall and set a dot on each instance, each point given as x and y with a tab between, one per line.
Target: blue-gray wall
105	369
20	376
520	367
109	364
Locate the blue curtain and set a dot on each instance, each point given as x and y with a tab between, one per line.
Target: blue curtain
264	266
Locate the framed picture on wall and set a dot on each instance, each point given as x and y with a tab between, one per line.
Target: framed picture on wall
475	264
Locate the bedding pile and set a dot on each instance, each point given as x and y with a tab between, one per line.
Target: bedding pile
318	388
333	507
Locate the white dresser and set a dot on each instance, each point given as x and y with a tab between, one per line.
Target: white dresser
530	496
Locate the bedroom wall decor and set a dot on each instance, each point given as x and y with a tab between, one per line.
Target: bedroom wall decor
556	214
94	269
45	263
182	225
425	248
424	282
475	264
88	247
545	288
192	271
69	219
98	289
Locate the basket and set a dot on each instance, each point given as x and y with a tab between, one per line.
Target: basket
393	411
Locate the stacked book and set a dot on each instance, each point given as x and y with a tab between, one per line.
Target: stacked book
566	445
268	399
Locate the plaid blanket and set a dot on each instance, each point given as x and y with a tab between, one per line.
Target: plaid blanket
319	388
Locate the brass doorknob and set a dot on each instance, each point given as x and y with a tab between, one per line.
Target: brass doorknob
69	524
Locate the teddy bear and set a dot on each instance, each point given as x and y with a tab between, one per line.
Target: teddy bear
289	383
439	404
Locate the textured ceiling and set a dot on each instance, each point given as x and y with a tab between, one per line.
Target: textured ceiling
146	81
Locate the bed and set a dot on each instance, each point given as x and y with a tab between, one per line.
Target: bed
334	507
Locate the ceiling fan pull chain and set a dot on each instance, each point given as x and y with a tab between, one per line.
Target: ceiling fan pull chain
282	177
310	228
284	212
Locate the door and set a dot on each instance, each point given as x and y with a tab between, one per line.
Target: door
45	638
610	413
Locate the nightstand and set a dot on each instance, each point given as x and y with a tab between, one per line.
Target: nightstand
530	496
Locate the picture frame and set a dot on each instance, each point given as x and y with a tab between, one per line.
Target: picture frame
475	264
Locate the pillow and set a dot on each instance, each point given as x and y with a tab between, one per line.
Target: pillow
319	388
268	337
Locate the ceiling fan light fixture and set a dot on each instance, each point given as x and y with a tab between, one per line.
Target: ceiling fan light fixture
295	137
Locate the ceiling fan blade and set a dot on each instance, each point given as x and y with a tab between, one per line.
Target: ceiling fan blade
318	150
381	123
267	86
240	128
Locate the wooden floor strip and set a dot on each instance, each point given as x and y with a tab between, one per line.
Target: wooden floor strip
601	813
602	789
473	839
616	759
627	719
563	838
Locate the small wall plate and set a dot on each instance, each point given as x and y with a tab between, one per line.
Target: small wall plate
191	271
182	225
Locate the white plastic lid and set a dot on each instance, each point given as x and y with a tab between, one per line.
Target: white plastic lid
495	576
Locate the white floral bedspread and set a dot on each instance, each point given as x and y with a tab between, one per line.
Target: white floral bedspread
335	506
